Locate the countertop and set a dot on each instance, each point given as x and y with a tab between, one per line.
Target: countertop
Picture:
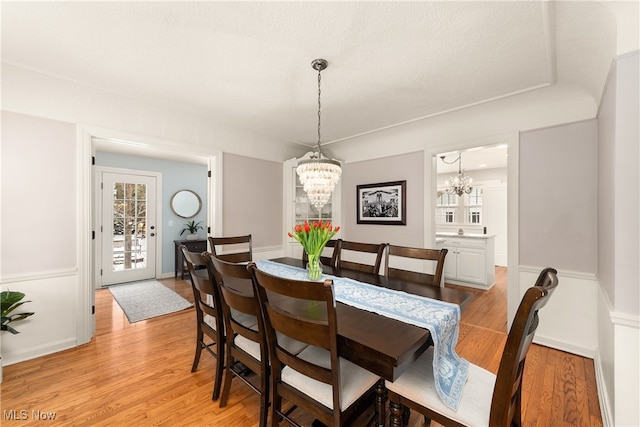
465	236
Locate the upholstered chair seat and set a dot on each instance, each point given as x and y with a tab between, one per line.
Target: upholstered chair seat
354	381
253	348
417	384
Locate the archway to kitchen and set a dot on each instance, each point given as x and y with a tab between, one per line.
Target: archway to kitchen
507	254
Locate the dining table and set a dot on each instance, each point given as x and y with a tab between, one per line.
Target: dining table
380	344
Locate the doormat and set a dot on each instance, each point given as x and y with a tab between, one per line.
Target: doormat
147	299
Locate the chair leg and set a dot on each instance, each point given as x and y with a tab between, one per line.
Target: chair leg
228	376
276	403
196	358
199	346
264	399
219	371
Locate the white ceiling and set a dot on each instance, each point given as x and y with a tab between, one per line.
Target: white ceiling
248	63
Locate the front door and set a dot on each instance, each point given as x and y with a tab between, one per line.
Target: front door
128	227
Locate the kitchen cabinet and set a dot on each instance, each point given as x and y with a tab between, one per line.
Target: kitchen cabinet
470	260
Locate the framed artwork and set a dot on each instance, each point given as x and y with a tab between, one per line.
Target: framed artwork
384	203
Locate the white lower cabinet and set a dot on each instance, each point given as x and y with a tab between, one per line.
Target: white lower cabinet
470	261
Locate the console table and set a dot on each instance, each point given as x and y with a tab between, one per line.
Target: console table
193	246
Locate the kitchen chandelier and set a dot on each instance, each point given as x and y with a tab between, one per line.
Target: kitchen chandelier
459	184
319	175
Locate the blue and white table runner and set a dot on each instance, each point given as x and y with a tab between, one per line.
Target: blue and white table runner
439	317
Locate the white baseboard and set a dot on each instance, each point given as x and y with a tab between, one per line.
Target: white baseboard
564	346
37	351
606	411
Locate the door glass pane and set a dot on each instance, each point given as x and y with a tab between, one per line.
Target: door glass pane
129	248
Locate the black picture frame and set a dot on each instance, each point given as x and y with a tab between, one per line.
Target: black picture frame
382	203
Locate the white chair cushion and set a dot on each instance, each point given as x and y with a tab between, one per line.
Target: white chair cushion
244	319
253	348
210	320
417	384
289	344
354	380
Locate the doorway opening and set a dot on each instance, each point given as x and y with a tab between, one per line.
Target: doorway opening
500	209
95	140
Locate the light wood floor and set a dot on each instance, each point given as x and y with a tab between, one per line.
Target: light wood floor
139	374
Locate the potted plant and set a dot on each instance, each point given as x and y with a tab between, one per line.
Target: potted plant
9	301
192	227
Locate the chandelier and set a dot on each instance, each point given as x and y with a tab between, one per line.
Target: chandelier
459	184
319	175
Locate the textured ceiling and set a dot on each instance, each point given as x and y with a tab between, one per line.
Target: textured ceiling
248	63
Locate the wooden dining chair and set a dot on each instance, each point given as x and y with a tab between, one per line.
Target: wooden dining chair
209	326
332	261
436	256
245	340
317	381
352	248
236	248
487	399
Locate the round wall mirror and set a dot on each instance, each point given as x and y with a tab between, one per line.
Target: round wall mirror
186	203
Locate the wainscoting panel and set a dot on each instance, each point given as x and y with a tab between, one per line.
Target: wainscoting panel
569	320
52	328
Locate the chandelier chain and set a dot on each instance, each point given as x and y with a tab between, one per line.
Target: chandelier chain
319	176
319	107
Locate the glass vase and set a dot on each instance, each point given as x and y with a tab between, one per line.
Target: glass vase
314	267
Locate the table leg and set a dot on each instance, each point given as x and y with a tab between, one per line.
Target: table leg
381	400
397	412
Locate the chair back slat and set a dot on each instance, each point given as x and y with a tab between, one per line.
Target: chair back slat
232	248
237	294
436	256
376	249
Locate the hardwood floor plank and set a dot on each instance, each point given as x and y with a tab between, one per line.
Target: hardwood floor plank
139	374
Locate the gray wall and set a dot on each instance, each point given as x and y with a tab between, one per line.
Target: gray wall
175	176
557	192
38	201
252	199
409	167
39	232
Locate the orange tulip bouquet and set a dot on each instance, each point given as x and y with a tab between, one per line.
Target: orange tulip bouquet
313	238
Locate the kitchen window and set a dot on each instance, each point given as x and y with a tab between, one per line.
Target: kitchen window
467	209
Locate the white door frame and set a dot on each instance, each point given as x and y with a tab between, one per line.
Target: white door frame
98	219
145	146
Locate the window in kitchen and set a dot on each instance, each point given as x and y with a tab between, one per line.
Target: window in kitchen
452	209
474	206
447	205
